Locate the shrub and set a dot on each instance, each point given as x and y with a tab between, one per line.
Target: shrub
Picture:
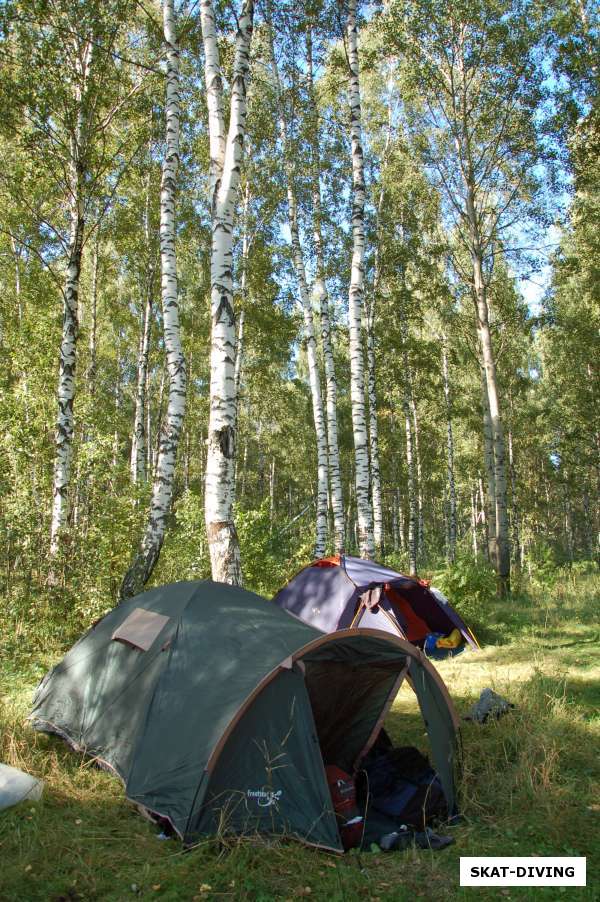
470	585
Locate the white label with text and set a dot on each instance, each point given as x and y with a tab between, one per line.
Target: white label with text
513	871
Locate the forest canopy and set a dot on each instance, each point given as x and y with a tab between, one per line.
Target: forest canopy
279	280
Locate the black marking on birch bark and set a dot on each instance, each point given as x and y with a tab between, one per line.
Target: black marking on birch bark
224	308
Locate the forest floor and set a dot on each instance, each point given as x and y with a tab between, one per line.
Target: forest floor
531	786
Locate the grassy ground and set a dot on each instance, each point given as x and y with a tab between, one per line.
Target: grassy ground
531	786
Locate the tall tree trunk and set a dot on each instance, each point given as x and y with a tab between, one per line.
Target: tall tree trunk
400	509
272	495
137	464
514	507
309	330
412	495
68	348
371	368
355	301
489	505
489	368
225	159
373	433
93	327
241	321
451	546
162	489
321	302
474	521
140	438
66	372
407	404
419	474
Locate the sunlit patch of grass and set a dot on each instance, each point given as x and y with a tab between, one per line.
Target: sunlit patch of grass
531	784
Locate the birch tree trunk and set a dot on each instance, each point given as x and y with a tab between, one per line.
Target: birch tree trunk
162	489
321	302
474	521
499	460
373	432
489	504
140	437
239	343
225	158
420	538
515	518
355	300
93	328
371	370
309	331
137	464
412	496
78	146
68	356
451	549
407	403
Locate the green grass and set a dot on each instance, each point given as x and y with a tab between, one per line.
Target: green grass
531	785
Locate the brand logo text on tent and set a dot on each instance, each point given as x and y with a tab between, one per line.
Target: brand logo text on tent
265	797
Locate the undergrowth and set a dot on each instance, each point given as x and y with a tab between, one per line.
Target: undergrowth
530	782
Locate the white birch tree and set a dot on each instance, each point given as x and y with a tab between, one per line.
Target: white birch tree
355	300
164	474
451	542
225	159
473	70
137	463
77	172
320	298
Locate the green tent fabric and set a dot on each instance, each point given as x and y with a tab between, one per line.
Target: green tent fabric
218	710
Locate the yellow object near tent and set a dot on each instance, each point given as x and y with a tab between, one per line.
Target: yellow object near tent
451	641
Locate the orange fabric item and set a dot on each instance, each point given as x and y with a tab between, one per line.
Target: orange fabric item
333	561
416	628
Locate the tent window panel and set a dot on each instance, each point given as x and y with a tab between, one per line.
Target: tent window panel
140	628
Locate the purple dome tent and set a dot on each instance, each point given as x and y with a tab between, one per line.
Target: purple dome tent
340	592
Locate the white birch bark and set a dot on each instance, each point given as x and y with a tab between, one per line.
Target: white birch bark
68	347
225	158
407	401
371	369
93	328
309	331
140	437
66	373
419	475
502	559
373	432
272	495
320	297
355	300
474	521
412	495
489	503
241	321
162	489
137	463
515	531
451	545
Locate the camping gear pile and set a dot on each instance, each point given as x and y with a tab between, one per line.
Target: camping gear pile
341	592
223	714
488	705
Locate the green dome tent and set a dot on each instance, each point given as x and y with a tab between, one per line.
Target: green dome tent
218	710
